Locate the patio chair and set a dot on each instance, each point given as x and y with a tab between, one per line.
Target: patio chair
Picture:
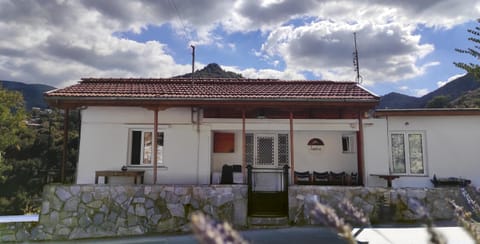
227	174
337	178
354	179
301	178
321	178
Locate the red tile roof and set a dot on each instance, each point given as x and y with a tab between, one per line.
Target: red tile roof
213	89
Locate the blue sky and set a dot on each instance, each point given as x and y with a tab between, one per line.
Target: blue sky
404	46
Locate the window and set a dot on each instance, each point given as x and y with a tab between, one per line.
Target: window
348	143
408	155
141	147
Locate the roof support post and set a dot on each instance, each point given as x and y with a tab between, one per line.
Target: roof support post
292	158
360	159
155	146
66	122
244	145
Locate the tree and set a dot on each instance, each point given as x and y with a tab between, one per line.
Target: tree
473	68
12	122
438	102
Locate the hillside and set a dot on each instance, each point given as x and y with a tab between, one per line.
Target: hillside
397	100
453	90
212	70
470	99
32	93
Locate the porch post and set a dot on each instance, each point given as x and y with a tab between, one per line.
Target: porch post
292	158
360	159
244	145
155	141
65	144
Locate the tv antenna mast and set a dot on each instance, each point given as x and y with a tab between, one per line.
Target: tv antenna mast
356	64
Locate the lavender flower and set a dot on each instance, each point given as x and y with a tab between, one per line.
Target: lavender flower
419	209
208	231
357	215
329	218
464	218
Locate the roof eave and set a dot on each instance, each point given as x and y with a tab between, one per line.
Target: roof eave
427	112
62	101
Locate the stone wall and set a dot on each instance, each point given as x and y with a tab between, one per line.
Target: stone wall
380	204
86	211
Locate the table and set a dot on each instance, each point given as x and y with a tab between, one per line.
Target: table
130	173
388	178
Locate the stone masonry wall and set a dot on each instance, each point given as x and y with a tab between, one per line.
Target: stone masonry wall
86	211
390	204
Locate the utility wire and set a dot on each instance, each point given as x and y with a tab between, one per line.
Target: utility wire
186	33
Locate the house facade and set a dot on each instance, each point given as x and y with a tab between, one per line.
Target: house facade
321	127
416	144
204	124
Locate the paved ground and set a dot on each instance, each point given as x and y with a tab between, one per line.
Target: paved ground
298	235
18	218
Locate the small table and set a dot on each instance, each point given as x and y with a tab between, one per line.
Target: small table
388	178
109	173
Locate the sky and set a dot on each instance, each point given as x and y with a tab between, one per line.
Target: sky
403	46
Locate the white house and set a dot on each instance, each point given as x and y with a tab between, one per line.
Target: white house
204	124
417	144
321	126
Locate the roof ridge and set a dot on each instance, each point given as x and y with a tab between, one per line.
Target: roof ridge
204	80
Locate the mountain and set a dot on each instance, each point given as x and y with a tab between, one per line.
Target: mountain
452	91
32	93
471	99
397	100
212	70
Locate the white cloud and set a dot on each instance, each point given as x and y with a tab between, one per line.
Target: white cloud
253	73
57	42
403	88
420	92
387	53
442	83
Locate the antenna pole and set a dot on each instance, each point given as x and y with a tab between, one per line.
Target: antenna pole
356	65
193	60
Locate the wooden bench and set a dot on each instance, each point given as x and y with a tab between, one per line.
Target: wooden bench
129	173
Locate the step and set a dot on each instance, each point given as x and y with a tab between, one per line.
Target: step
267	221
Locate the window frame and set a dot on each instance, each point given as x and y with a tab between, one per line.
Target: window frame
142	148
352	143
407	155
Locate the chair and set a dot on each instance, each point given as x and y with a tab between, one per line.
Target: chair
321	178
301	178
354	179
227	175
337	178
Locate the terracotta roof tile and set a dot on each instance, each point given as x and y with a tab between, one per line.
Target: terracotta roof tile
215	88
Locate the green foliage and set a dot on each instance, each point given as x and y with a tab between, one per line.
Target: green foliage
35	160
473	68
12	123
438	102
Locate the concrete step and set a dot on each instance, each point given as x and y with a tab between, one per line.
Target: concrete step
267	221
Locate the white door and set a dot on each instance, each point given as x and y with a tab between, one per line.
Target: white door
265	155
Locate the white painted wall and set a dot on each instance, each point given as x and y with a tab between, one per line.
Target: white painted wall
330	158
104	143
452	147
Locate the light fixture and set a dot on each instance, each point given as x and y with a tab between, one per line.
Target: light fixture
315	144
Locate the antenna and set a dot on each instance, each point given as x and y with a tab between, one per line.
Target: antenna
356	64
193	61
